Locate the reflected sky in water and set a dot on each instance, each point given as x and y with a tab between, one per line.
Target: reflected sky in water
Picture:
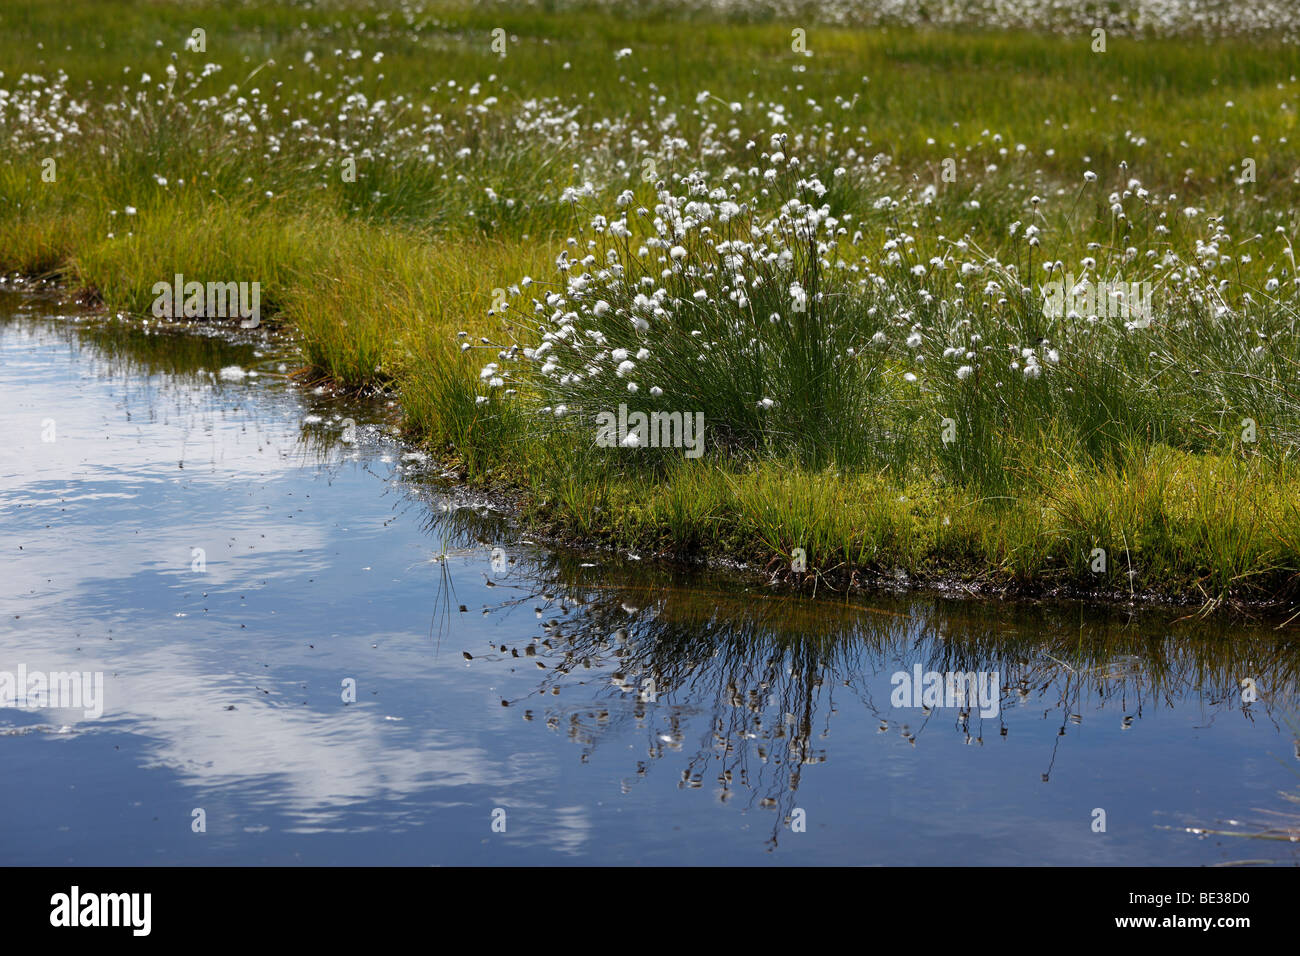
616	711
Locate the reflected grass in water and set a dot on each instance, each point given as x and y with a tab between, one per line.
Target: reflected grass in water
647	649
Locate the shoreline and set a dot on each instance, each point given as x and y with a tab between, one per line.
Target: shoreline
776	578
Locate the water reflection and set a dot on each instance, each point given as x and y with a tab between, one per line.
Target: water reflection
657	653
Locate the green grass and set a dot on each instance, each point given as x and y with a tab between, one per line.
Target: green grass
1133	443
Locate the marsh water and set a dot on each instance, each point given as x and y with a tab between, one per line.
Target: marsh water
315	649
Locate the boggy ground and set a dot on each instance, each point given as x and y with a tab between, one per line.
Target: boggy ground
831	242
